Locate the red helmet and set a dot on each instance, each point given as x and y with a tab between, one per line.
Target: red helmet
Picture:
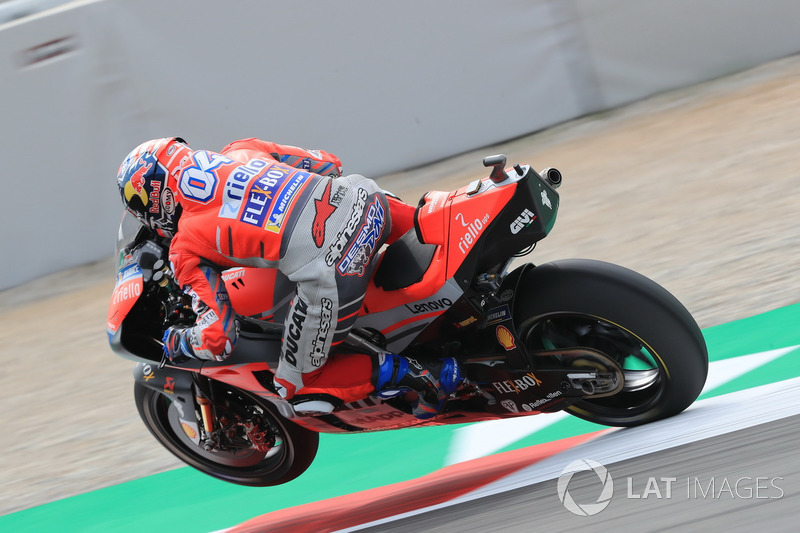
146	181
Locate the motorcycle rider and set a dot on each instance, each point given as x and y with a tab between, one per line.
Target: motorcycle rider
261	204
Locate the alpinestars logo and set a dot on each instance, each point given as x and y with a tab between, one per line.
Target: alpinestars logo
337	248
318	353
322	212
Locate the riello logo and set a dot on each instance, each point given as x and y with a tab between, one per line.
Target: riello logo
471	232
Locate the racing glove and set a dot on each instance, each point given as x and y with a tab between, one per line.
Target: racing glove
317	161
176	349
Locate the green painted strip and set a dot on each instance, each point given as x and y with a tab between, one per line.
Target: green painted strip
184	500
183	497
768	331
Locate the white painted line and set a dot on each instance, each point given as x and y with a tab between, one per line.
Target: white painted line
486	438
721	372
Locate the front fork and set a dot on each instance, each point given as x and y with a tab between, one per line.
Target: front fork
204	396
222	427
188	391
193	394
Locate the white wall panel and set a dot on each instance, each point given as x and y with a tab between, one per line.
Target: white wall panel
384	85
58	203
641	47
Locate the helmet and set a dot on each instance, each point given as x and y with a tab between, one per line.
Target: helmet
146	181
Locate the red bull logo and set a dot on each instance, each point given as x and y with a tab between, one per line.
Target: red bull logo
135	185
137	180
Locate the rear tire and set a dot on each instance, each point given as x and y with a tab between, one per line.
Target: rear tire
625	315
290	457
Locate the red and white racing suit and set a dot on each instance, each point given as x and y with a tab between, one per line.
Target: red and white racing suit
261	204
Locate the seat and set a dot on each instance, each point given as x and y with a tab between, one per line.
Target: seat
404	262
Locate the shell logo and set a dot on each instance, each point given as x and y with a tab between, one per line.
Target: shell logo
189	430
505	338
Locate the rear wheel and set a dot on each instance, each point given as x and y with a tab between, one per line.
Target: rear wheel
258	447
626	316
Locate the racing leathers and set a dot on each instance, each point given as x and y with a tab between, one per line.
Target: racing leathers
261	204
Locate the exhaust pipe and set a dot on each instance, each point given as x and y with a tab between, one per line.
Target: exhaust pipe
553	176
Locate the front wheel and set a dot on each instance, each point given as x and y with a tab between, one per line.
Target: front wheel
628	317
282	451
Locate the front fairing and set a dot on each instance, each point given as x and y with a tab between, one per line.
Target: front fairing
130	280
127	290
141	254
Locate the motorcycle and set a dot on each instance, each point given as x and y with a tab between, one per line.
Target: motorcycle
591	338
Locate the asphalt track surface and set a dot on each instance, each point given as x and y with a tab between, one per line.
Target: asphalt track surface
763	460
697	189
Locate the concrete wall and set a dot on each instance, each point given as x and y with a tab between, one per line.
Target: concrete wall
385	85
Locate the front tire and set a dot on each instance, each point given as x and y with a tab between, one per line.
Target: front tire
625	315
294	450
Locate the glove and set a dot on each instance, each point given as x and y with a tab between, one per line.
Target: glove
317	161
176	349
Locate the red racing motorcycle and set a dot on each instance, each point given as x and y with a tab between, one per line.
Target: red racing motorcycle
591	338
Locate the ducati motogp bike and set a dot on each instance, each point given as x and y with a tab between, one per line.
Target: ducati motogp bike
591	338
